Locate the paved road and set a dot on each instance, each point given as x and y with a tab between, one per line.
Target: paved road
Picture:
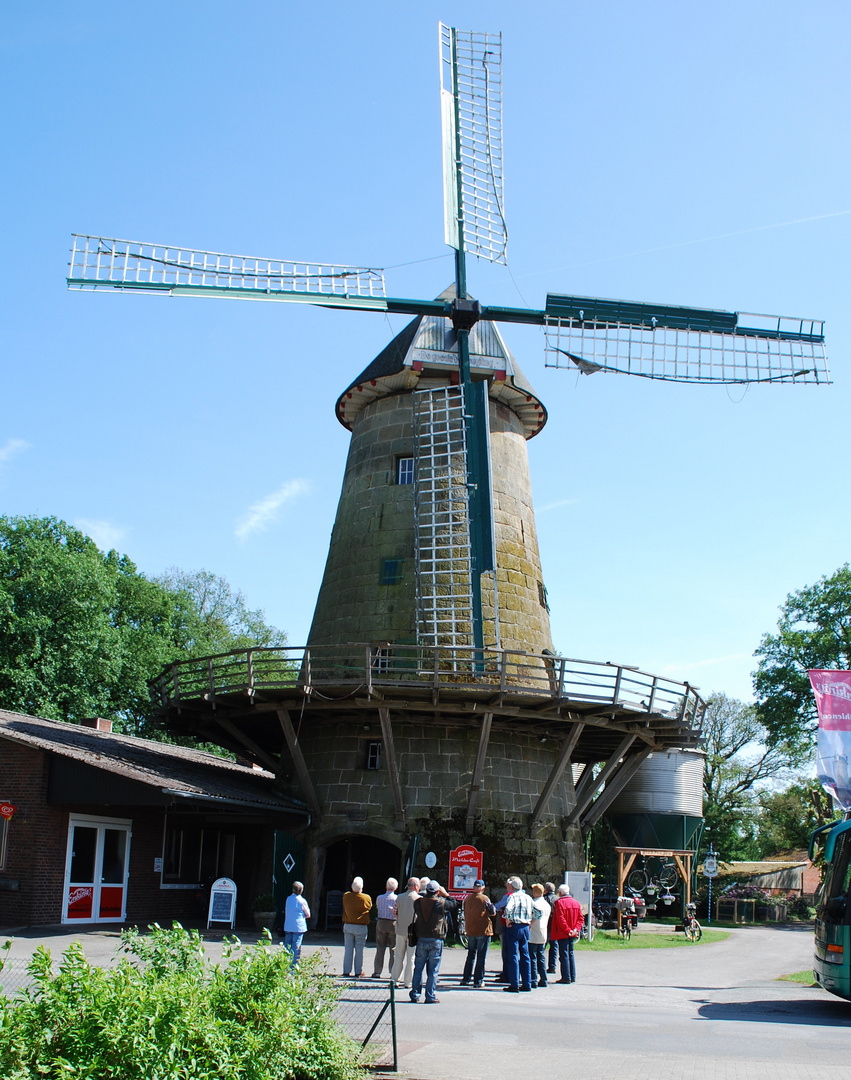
707	1012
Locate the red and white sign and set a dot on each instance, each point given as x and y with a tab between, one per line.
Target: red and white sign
80	901
465	867
6	809
832	690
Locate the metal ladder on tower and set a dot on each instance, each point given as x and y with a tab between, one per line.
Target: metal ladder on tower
442	520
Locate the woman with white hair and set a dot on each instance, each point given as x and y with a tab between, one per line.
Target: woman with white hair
356	908
566	922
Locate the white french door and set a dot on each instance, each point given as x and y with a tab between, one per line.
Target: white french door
96	869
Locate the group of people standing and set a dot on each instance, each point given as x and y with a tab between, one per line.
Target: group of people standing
411	929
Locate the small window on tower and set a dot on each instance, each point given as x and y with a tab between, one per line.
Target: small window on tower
404	470
542	595
391	571
373	755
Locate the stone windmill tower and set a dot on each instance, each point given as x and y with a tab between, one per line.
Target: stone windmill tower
398	566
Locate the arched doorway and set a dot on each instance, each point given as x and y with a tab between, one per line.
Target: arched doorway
357	856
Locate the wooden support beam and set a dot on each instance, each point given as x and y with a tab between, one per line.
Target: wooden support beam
478	770
614	786
589	790
303	775
259	755
392	767
563	760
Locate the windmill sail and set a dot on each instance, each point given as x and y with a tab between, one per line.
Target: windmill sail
471	113
101	263
680	344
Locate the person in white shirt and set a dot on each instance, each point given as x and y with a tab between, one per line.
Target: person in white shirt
403	965
538	936
385	928
296	914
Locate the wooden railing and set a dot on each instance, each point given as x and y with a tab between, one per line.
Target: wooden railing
500	673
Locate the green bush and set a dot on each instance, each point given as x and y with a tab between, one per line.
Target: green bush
167	1013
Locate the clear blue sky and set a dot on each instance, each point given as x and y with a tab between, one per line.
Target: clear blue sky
668	152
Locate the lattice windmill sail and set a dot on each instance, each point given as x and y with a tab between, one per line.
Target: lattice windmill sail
655	341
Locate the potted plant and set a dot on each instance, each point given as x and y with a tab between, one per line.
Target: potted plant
264	911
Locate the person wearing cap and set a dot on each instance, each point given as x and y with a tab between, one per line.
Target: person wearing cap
518	916
430	919
477	922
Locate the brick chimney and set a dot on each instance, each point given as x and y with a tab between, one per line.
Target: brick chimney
96	722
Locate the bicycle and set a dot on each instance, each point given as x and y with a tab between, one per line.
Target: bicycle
693	929
589	928
628	919
641	878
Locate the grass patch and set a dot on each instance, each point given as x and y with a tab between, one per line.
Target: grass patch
803	977
608	940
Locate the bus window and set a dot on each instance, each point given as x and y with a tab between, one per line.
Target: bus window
834	900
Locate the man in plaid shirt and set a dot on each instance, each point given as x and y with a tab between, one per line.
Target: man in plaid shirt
518	916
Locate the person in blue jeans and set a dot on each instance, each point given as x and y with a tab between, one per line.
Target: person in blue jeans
296	914
430	920
518	917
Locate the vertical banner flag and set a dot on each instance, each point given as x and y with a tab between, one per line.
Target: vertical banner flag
832	690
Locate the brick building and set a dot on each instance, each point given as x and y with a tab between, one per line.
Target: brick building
107	828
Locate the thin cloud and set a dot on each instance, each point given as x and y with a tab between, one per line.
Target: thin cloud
106	535
12	448
261	515
668	669
555	505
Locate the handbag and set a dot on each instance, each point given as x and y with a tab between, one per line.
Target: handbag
412	935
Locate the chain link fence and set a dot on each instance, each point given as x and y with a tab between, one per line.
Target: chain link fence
366	1011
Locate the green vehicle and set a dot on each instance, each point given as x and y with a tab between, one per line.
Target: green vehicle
832	960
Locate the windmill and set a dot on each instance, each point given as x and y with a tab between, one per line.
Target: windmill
587	334
456	565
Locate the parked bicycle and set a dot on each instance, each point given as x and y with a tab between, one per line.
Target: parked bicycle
693	929
629	917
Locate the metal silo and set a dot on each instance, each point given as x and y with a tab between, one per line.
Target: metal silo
662	805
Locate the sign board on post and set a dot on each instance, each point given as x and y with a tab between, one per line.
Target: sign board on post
710	866
222	902
580	883
465	867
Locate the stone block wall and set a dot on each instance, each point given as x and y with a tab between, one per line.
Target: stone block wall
435	764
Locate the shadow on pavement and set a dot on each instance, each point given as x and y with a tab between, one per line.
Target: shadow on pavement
821	1012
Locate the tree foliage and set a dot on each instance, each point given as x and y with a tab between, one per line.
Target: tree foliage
787	818
81	631
216	618
814	631
739	762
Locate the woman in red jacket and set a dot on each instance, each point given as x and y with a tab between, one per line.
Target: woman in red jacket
565	925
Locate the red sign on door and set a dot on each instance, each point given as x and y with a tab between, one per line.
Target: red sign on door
80	901
465	868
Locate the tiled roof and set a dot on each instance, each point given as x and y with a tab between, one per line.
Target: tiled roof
178	770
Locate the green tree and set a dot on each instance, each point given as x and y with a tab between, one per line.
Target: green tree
786	818
739	762
814	631
216	618
81	632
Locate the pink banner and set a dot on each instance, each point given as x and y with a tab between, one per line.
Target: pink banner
832	690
